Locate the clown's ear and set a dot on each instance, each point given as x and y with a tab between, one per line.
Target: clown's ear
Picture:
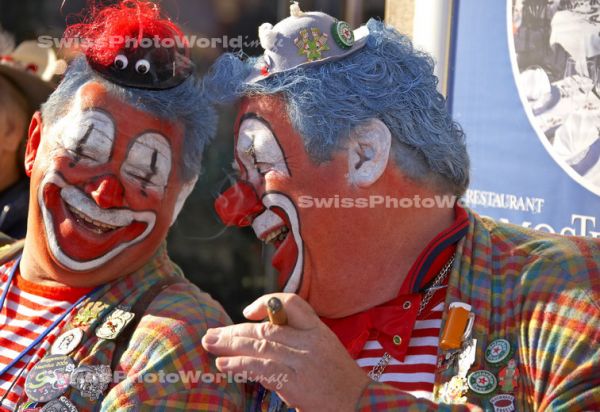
33	142
368	152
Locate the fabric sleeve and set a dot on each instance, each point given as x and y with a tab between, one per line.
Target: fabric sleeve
381	397
165	366
560	329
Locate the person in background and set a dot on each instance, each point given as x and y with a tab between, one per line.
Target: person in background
25	82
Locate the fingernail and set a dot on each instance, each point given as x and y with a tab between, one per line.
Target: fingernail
222	362
211	338
249	309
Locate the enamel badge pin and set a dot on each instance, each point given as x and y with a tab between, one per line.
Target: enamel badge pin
88	313
67	342
91	381
114	324
49	378
61	404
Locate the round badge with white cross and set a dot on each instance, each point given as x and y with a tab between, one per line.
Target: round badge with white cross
497	351
482	382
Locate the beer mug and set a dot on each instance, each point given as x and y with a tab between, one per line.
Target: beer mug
458	327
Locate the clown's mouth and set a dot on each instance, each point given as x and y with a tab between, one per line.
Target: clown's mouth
89	223
278	225
80	234
276	237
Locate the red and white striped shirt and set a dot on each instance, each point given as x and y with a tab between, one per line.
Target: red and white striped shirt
28	310
416	373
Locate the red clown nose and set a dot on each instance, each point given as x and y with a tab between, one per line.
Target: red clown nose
107	191
238	205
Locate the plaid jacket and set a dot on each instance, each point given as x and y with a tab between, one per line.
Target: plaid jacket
164	366
541	293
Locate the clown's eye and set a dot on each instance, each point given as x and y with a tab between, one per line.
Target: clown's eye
149	161
121	62
142	66
89	138
262	167
258	149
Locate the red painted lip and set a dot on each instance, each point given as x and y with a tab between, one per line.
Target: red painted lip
286	252
77	240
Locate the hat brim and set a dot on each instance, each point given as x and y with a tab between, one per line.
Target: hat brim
34	89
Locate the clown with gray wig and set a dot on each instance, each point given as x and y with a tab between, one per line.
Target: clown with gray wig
95	314
396	296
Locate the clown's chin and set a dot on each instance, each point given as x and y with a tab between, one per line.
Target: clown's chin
288	259
80	235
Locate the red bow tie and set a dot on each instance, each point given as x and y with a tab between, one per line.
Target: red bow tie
391	324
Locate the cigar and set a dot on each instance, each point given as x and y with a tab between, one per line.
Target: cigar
277	315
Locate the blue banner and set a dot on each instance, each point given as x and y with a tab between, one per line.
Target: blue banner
524	92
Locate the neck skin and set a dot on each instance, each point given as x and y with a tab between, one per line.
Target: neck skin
33	272
388	241
10	170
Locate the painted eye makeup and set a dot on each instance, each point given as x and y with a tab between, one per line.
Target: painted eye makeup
90	138
258	148
148	161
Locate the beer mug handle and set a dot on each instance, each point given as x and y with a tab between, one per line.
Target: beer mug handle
469	327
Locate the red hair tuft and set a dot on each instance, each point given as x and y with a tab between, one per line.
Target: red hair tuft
107	29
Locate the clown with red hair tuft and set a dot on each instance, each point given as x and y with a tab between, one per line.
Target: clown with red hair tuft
99	315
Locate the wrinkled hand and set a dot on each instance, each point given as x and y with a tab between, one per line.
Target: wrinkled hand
304	362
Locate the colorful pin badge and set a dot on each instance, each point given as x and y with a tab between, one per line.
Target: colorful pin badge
497	351
453	391
342	34
447	359
114	324
91	381
49	378
311	45
458	326
482	382
61	404
88	314
508	377
67	342
503	403
29	406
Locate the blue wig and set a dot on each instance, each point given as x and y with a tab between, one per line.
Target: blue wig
185	104
387	79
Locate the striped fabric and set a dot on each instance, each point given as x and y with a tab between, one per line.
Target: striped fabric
27	312
164	366
540	292
416	374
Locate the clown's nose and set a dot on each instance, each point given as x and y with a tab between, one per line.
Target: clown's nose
238	205
107	191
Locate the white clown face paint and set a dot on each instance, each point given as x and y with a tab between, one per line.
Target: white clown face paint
107	183
259	153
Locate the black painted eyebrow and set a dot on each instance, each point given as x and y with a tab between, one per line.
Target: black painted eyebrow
83	140
152	171
252	115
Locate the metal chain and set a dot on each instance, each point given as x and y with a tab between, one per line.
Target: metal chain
436	283
385	360
378	369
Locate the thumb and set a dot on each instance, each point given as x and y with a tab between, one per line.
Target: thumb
299	313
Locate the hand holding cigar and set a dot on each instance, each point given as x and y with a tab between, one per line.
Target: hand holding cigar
276	312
